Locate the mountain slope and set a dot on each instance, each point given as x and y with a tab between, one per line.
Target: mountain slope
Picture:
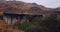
19	7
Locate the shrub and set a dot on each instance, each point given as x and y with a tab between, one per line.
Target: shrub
50	24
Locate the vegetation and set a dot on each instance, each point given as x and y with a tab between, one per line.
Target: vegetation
50	24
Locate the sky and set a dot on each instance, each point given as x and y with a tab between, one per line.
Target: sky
46	3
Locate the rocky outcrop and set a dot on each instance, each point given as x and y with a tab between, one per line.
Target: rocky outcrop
19	7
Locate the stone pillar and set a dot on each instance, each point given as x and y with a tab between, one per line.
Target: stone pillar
5	19
9	20
13	21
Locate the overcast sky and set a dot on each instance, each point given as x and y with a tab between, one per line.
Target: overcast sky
47	3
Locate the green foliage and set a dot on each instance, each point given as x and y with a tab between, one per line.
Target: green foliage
33	30
25	25
58	19
47	25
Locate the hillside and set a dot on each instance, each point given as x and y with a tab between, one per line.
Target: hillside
19	7
22	7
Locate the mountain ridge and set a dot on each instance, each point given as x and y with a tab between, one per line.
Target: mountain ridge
24	8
